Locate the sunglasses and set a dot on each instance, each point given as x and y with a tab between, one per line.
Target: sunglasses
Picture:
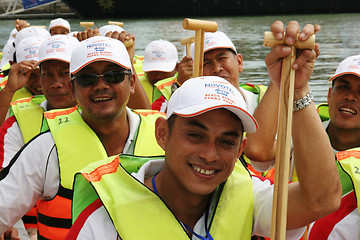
90	79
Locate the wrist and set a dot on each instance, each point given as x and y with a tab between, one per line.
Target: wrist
303	102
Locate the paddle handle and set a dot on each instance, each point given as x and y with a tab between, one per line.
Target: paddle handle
270	41
200	27
282	159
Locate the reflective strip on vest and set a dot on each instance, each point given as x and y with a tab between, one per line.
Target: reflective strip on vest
350	163
29	116
232	218
21	93
163	87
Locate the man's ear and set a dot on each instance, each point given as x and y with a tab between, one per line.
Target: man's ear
329	94
240	61
132	83
242	146
161	132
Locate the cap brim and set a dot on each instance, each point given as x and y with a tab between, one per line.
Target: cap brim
77	69
342	74
249	123
49	59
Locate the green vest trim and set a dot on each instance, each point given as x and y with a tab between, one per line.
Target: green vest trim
232	218
29	116
349	161
323	110
254	88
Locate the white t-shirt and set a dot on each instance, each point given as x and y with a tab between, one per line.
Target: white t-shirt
34	174
98	225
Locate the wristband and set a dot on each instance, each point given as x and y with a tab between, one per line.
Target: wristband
303	102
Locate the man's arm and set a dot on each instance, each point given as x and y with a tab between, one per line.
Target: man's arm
18	77
318	192
38	167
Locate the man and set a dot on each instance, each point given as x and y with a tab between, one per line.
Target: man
201	190
102	83
342	125
27	120
18	84
160	66
59	26
220	59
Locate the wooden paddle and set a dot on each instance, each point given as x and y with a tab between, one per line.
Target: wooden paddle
200	27
282	159
120	24
187	43
87	25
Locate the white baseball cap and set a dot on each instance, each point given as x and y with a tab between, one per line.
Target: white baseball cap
31	32
28	49
215	40
6	57
57	47
99	48
350	65
110	28
203	94
160	55
59	22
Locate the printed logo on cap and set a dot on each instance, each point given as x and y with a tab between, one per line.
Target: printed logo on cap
221	92
98	49
56	46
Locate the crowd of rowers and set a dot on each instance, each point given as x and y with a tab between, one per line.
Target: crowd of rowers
98	143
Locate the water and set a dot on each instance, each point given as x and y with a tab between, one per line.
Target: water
338	39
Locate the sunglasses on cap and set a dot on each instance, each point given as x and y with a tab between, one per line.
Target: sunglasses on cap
90	79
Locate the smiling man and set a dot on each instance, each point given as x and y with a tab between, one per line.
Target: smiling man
102	83
201	190
343	129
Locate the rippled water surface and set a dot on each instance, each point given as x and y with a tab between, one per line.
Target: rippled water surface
338	39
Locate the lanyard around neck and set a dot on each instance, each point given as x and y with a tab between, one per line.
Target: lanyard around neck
192	231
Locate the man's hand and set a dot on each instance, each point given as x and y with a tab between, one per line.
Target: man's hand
81	36
19	75
21	24
185	69
305	60
12	234
124	37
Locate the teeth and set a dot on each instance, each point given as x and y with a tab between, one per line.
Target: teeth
348	110
203	171
101	99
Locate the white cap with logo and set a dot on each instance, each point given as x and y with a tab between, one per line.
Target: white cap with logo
350	65
203	94
99	48
31	32
160	55
59	22
215	40
28	49
57	47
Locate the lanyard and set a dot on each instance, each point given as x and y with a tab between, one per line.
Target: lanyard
192	231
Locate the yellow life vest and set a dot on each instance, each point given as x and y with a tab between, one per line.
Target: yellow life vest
349	161
160	88
29	116
21	93
77	146
125	199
